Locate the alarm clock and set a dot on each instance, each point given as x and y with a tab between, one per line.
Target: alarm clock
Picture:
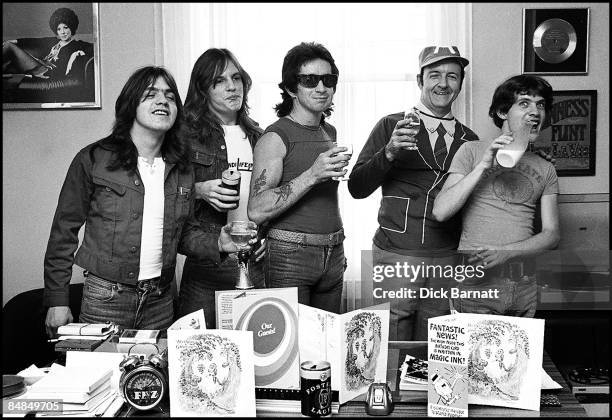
144	381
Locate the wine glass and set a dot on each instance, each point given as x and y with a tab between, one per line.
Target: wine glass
241	232
348	153
414	121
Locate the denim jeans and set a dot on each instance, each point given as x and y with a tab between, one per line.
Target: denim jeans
515	298
200	281
317	272
146	306
408	316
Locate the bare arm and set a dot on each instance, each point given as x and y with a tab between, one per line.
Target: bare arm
267	198
458	187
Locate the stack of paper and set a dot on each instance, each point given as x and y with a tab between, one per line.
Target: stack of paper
81	390
414	374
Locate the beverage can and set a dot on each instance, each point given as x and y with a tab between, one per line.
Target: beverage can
315	385
231	179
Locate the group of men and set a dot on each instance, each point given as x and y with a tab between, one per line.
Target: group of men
442	190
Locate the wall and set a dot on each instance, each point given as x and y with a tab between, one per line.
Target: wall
39	145
36	155
496	55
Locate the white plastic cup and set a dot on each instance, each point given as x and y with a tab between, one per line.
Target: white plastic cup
509	156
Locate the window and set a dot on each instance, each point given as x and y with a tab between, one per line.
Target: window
375	46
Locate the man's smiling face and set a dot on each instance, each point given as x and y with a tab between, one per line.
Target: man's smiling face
440	85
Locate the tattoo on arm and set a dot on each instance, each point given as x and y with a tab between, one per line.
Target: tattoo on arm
283	192
260	182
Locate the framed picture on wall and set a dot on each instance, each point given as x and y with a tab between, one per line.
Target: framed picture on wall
570	131
50	56
555	41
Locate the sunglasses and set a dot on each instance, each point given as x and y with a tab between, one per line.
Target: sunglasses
312	80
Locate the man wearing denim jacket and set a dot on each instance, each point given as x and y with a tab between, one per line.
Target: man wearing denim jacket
222	136
411	164
133	190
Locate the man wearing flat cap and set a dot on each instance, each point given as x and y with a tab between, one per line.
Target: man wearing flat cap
410	163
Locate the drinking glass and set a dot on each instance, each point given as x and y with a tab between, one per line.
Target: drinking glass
241	232
348	153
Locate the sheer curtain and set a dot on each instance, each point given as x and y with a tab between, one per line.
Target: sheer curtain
375	46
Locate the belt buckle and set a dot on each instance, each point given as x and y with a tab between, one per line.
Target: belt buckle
515	270
143	285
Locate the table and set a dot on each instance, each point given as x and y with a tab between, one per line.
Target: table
414	403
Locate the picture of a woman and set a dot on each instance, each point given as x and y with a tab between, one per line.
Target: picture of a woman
58	62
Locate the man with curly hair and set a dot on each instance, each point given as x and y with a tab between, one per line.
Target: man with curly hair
498	204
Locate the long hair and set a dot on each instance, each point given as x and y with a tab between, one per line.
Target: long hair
200	122
66	16
173	149
295	58
506	93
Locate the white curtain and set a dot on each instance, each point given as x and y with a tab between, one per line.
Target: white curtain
375	46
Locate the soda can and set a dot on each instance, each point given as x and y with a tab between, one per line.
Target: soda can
315	385
231	179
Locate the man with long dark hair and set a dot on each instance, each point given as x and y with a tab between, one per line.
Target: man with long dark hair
221	136
133	191
292	189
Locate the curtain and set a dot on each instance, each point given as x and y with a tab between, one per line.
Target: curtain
375	46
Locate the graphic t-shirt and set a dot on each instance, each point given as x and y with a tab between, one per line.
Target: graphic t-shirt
240	155
501	209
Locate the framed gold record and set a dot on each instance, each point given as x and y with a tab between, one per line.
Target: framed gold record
555	41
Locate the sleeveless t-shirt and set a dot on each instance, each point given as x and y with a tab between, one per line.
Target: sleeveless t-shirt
317	211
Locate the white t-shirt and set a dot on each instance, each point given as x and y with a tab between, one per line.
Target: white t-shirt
239	153
152	217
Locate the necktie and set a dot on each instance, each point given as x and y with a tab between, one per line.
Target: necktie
440	151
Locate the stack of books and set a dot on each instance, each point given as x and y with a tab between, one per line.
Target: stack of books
81	390
278	400
82	337
414	374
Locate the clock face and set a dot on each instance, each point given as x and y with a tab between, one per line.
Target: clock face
144	387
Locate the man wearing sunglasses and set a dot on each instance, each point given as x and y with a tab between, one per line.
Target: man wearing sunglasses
292	190
410	163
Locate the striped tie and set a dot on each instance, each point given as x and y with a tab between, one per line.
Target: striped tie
440	151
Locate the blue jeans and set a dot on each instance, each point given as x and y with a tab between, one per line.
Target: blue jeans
200	281
408	316
146	306
317	272
515	298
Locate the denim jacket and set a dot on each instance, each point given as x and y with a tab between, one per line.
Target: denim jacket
209	159
110	203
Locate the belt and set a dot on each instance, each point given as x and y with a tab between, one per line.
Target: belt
140	284
513	270
328	239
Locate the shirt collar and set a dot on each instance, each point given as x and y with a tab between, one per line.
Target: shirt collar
431	124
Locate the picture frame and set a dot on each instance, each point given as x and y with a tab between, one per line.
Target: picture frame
556	41
570	132
40	69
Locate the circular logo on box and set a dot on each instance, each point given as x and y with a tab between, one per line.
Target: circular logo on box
268	326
